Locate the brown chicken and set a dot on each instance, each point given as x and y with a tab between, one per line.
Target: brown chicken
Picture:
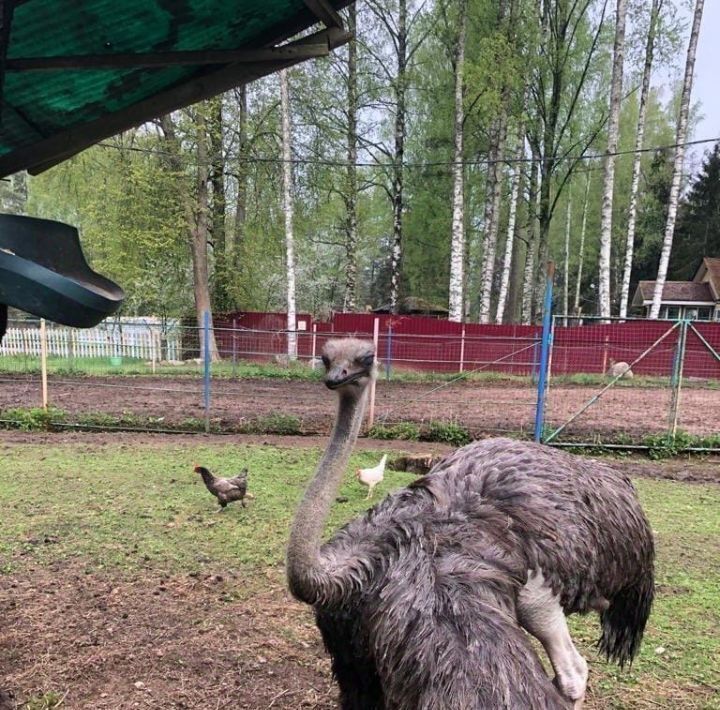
226	490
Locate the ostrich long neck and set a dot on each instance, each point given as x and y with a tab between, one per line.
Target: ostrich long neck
309	579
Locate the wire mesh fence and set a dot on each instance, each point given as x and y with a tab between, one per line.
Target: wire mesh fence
148	374
632	380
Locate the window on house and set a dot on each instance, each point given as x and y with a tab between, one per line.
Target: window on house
672	312
704	313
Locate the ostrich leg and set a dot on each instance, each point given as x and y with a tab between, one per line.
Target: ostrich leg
540	613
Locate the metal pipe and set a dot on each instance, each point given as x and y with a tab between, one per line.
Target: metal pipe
544	351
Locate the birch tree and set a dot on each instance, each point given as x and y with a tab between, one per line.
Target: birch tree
581	248
680	138
515	174
507	19
639	139
457	248
609	162
531	226
566	258
287	192
351	229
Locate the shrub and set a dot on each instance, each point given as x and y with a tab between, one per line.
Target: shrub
405	431
448	433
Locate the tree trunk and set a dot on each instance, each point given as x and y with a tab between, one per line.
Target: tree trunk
457	244
566	259
217	180
635	182
197	221
515	172
609	165
581	250
350	299
288	212
398	157
492	216
241	196
680	138
531	227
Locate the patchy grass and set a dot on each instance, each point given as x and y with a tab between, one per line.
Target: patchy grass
118	510
117	507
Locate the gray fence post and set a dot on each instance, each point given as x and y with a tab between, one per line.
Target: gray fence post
544	352
677	375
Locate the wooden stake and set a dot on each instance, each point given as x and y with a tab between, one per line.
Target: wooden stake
43	363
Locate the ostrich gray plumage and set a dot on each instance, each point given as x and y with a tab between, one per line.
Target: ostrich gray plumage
417	600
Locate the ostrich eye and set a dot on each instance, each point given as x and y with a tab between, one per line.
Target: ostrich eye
326	361
366	360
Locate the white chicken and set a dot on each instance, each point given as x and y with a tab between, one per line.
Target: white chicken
371	476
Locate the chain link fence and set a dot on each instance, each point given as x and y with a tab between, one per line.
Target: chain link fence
434	376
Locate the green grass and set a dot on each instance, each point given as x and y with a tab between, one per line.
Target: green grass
121	508
125	510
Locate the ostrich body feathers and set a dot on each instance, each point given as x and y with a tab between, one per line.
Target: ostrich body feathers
427	617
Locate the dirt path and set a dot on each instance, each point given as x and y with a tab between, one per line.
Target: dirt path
481	407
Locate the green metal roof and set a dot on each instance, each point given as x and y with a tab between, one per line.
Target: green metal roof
73	73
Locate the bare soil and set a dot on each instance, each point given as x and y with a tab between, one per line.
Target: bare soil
158	642
481	407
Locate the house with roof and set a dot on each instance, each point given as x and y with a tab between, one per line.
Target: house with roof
698	299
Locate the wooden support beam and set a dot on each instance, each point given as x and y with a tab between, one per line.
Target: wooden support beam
43	154
325	12
169	59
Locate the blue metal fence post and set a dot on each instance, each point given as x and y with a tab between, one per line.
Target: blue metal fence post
206	362
544	352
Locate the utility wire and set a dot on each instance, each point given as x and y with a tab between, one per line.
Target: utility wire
430	164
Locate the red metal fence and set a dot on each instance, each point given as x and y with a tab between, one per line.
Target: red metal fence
431	344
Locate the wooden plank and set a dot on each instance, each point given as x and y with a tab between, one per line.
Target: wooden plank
168	59
44	154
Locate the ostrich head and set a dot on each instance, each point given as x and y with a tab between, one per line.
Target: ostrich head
349	364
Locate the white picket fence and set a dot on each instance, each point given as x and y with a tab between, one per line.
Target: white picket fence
101	342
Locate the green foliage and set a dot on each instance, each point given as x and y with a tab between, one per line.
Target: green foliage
405	431
46	701
662	446
448	432
34	419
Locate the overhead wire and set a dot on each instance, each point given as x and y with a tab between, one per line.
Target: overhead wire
435	163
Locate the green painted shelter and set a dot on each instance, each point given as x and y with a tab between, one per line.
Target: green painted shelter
73	72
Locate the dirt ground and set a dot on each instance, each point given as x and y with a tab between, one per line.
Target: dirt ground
481	407
184	641
172	642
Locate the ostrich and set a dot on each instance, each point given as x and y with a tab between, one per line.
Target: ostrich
418	601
